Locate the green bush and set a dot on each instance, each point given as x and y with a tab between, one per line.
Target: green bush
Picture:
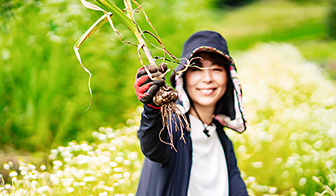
43	89
331	20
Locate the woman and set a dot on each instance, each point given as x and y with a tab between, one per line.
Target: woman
210	94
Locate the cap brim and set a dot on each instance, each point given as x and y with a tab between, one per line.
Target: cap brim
209	49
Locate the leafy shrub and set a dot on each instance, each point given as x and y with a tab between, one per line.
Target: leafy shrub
331	20
44	90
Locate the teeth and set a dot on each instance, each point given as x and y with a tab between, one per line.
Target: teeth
206	91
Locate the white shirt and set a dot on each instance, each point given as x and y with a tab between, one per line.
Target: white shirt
209	174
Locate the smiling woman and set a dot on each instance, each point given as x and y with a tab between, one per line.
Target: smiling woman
210	102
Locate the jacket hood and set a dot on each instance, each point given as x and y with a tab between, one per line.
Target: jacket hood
229	109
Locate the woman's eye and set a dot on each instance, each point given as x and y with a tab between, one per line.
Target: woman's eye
217	69
194	69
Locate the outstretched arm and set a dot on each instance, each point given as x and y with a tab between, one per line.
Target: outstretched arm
151	120
149	135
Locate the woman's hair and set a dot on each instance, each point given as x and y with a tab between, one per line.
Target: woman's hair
213	57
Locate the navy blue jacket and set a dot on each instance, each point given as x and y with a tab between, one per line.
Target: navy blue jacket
166	172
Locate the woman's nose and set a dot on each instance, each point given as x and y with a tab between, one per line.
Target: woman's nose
207	75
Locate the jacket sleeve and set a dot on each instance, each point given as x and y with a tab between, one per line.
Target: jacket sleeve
149	135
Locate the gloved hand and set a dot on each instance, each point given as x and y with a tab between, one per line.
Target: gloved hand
145	88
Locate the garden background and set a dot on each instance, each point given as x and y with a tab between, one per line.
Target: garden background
50	144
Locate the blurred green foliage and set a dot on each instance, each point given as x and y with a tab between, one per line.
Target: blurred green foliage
44	90
331	20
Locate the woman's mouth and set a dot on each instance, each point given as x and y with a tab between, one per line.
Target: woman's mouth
207	91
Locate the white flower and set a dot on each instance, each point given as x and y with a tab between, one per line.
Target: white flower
102	137
66	154
61	148
6	166
32	175
76	147
115	184
127	162
272	190
66	182
257	165
70	189
23	168
82	184
302	181
113	164
23	173
13	174
43	167
118	169
86	147
110	135
54	179
106	188
52	157
133	156
67	160
117	176
8	186
59	173
103	193
95	134
11	164
34	183
14	179
112	148
101	129
107	170
251	179
119	159
54	151
127	174
31	167
75	184
57	164
42	189
89	179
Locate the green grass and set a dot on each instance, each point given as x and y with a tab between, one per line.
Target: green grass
273	21
300	24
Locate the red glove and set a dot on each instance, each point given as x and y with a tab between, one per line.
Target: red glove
145	88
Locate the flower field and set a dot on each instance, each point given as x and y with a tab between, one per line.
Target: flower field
288	149
110	165
291	134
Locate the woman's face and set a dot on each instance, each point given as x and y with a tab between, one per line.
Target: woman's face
206	86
